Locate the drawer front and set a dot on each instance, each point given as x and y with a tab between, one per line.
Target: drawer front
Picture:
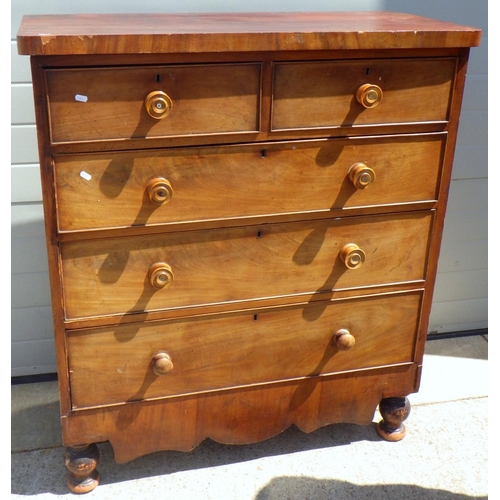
115	365
103	104
323	94
119	189
116	276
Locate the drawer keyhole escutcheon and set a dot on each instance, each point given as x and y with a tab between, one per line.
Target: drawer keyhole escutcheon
361	175
343	339
158	104
352	256
369	95
162	364
160	275
160	190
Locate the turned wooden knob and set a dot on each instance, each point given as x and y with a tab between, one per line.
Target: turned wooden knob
369	95
161	275
162	363
343	339
160	190
361	175
158	104
352	256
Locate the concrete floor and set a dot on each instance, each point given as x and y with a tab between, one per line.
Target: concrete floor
443	456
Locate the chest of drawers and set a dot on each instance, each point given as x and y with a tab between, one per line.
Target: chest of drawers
243	217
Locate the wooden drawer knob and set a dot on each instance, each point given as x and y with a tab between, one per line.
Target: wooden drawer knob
160	275
160	190
343	339
162	363
361	175
369	95
352	256
158	104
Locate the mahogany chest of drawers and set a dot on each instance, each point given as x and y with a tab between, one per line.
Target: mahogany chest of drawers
243	217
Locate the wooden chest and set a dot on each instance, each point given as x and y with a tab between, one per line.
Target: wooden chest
243	217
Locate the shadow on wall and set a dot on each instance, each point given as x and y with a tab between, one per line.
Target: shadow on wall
300	488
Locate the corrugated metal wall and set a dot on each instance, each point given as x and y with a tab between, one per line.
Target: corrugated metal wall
460	301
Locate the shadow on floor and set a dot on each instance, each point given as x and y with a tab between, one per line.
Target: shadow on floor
300	488
207	455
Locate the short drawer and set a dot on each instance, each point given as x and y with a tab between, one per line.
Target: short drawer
116	365
194	268
212	183
112	103
394	91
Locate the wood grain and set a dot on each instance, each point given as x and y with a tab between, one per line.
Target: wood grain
250	414
241	344
109	103
114	365
241	32
435	246
53	250
323	94
244	181
233	265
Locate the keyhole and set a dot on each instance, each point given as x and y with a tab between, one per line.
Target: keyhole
255	317
259	234
158	78
368	71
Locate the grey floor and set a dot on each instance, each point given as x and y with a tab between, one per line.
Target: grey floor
443	456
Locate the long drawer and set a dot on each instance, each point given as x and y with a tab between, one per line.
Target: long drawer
153	360
163	271
196	184
112	103
331	93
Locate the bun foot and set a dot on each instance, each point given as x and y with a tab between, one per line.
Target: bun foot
81	462
394	412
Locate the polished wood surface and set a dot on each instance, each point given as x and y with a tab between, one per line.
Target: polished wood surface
241	264
110	103
324	94
308	404
162	364
240	32
243	349
344	340
158	103
243	181
243	217
394	412
369	95
81	462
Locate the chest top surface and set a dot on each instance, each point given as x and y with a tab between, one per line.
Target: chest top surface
236	32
